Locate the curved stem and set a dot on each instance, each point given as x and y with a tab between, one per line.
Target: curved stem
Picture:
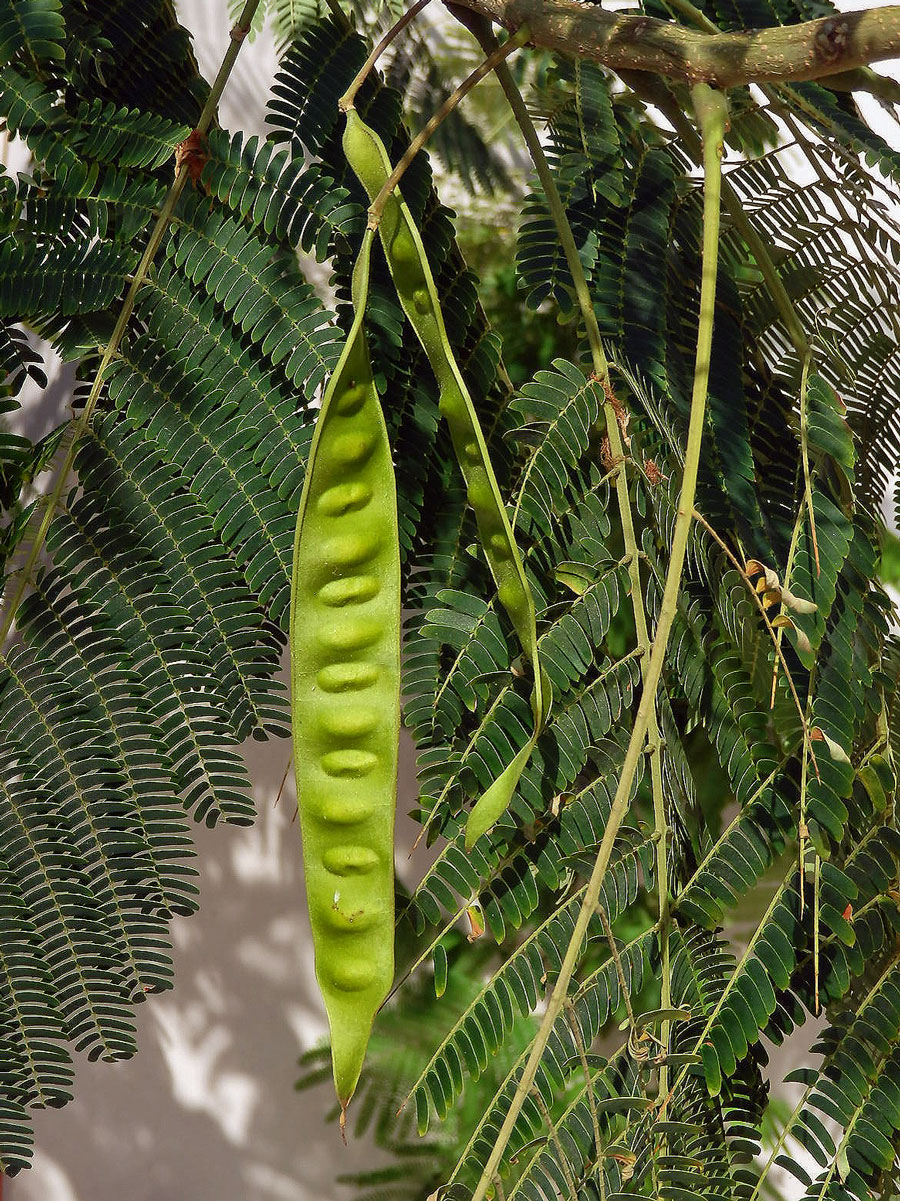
349	97
712	113
612	412
499	54
238	32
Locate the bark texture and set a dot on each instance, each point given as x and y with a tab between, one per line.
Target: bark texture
811	50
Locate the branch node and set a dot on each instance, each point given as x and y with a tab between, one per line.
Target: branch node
831	39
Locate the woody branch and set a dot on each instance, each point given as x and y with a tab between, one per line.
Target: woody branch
811	50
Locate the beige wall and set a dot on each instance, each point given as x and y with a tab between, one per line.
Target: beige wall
206	1111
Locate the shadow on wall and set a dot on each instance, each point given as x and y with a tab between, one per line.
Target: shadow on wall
207	1111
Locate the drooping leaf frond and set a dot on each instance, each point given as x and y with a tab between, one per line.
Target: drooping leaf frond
151	634
33	32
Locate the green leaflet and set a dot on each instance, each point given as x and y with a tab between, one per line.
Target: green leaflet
31	28
519	985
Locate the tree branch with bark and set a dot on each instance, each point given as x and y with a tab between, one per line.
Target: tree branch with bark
789	53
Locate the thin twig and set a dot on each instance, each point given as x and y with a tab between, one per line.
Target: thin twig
816	883
588	1082
287	768
76	428
804	453
773	633
554	1137
349	97
620	972
711	112
376	208
802	828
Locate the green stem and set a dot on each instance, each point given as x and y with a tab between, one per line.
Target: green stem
586	987
641	82
588	1084
655	91
238	32
349	97
711	110
699	18
497	56
804	451
561	1157
600	366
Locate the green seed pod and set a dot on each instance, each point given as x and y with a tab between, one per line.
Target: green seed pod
345	696
418	296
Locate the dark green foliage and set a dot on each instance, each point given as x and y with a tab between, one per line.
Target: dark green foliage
720	669
856	1087
290	200
43	282
585	154
418	71
134	54
130	139
152	632
255	288
561	411
20	459
147	497
32	30
600	994
516	988
150	643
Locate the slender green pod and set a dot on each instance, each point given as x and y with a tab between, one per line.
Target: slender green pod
345	695
418	296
